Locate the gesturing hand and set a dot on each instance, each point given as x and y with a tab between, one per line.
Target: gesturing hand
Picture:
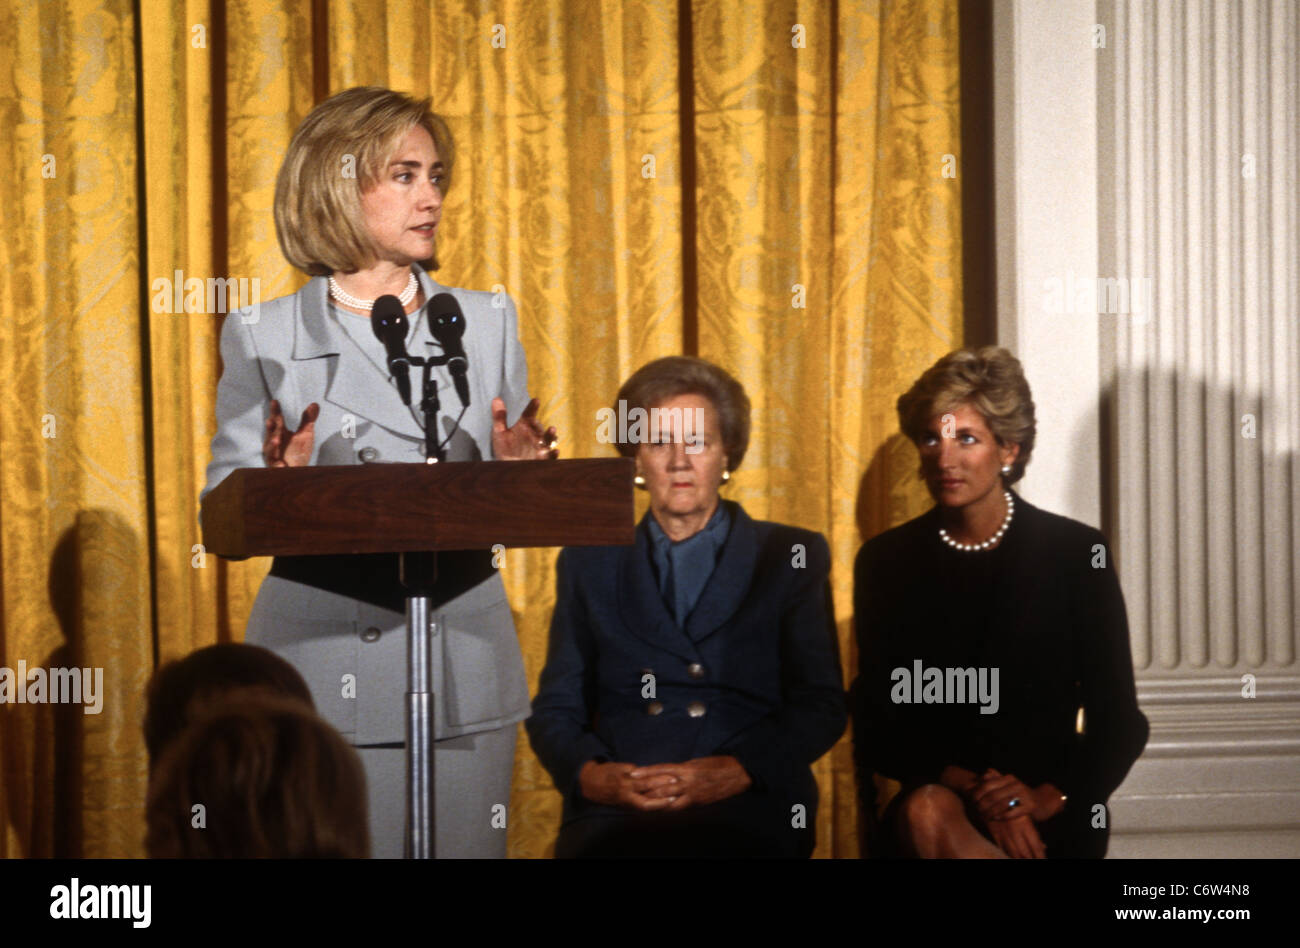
524	440
285	448
699	781
613	785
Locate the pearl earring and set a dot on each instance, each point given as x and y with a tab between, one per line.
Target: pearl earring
639	481
726	476
1006	470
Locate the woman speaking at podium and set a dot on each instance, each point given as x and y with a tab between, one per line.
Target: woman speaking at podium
306	381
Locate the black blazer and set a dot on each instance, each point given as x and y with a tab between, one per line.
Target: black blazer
762	636
1042	609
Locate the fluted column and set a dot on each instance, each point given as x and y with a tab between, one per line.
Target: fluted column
1202	119
1149	280
1197	116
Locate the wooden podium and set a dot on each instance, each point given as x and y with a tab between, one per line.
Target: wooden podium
417	510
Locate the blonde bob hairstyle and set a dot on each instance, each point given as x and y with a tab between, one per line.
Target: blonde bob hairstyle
664	379
341	149
991	381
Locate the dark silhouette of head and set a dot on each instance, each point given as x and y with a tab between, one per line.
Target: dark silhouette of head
181	690
258	777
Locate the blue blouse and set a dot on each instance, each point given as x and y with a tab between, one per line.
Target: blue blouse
683	568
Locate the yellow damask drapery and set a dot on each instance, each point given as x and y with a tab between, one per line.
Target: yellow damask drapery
759	183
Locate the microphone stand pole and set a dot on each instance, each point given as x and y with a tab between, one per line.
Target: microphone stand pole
419	573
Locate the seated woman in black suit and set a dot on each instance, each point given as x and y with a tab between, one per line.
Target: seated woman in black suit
694	677
995	682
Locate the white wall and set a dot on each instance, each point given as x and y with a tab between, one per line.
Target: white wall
1046	211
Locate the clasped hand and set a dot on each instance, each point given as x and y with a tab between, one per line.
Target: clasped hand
1012	827
665	787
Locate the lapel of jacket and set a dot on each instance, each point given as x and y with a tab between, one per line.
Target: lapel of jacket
1015	587
730	582
639	603
356	385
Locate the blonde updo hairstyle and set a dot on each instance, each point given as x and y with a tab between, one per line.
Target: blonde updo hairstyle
989	379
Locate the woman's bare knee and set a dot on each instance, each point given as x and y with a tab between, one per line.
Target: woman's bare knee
928	815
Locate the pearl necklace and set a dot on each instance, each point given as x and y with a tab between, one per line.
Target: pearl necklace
336	291
973	547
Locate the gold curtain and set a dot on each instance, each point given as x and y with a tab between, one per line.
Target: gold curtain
761	185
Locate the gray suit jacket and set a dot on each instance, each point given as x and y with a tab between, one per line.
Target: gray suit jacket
342	639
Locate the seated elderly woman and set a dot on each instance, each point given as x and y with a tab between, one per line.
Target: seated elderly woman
995	683
693	677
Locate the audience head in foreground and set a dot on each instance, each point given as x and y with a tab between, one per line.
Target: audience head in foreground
182	690
260	777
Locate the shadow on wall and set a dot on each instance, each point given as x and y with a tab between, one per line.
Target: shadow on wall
1214	533
889	493
42	765
1208	566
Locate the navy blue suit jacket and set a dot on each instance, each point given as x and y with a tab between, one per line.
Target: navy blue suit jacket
763	633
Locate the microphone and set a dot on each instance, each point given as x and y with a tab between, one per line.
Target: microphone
388	320
447	323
